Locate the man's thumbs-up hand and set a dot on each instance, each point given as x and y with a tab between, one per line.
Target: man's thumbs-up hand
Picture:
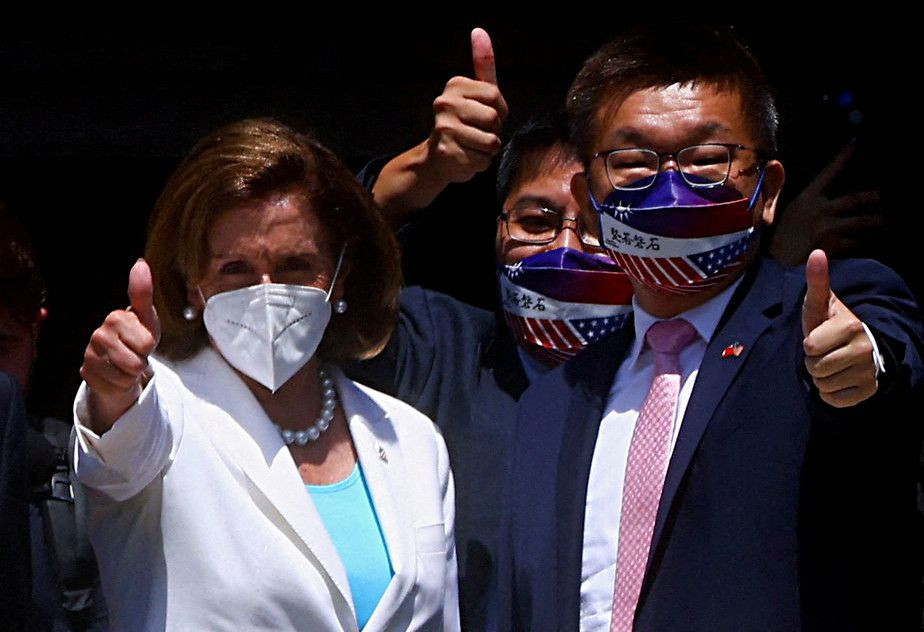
469	116
115	364
838	352
483	56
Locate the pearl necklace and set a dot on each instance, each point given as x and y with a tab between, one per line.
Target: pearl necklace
312	432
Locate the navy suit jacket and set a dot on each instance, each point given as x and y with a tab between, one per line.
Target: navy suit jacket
778	511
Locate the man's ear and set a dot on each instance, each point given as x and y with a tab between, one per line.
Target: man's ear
37	323
774	176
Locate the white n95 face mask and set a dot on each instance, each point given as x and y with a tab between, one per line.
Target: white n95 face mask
271	330
268	331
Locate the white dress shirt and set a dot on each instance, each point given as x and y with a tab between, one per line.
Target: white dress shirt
608	467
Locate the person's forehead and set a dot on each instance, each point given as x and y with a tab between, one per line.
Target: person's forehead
550	177
661	117
287	217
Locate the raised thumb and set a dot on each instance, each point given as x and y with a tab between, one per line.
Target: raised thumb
817	292
141	296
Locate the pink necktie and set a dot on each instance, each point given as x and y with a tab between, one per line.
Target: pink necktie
649	454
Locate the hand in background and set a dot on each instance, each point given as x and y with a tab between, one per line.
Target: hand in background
840	226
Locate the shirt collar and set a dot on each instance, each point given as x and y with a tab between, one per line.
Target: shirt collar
704	318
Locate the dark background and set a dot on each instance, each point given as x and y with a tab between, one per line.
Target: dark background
93	120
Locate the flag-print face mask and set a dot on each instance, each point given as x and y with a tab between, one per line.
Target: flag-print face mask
558	302
676	238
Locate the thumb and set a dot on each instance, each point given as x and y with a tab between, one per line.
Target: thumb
483	56
817	292
141	296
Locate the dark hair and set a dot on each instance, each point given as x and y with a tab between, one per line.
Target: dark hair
650	57
253	159
531	147
22	289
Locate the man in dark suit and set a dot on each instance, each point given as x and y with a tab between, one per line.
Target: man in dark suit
466	369
65	588
463	366
742	458
14	502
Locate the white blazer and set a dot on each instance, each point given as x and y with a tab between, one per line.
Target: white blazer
200	520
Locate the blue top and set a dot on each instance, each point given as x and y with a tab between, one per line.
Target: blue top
459	365
348	514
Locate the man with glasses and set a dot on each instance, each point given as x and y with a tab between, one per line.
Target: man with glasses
559	290
466	367
740	456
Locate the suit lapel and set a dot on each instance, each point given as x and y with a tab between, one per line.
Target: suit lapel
253	448
749	313
590	377
382	463
502	357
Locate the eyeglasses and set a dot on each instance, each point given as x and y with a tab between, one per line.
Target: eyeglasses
705	165
532	224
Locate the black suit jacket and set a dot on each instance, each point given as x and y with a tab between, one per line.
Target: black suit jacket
15	587
778	512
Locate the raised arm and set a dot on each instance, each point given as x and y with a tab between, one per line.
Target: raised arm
468	117
124	427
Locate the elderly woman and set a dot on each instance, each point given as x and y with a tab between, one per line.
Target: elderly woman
239	481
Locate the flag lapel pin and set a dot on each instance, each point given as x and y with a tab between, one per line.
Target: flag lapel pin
733	350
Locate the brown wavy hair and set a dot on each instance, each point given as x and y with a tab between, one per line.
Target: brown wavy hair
252	159
22	288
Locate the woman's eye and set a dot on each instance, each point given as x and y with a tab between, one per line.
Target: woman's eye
234	267
296	264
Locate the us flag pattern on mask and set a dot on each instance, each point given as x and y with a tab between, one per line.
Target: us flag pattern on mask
559	329
681	265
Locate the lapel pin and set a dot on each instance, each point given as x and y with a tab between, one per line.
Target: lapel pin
382	454
732	350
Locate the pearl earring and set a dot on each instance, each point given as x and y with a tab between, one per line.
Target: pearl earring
190	313
340	306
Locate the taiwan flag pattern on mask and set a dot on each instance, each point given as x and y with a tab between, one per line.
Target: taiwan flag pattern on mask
560	309
678	249
675	237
